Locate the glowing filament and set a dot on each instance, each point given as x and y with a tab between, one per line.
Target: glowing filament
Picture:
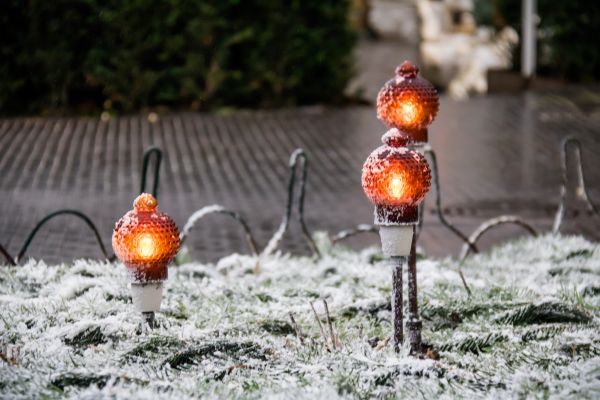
396	186
409	112
146	246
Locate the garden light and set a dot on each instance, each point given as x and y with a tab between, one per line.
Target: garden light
408	103
146	240
396	179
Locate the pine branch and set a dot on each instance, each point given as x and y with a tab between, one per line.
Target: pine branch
543	314
155	345
542	333
232	349
475	344
86	337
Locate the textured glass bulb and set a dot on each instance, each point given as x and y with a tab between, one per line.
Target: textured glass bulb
396	176
407	102
146	240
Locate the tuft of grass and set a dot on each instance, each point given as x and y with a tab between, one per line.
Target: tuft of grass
348	384
583	253
295	292
79	380
585	350
120	297
264	297
550	312
376	258
250	386
568	270
442	318
370	310
591	291
579	253
179	313
451	315
277	327
154	345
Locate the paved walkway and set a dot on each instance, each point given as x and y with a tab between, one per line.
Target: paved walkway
497	154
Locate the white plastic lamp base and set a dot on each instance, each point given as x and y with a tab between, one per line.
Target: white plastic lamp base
147	296
396	239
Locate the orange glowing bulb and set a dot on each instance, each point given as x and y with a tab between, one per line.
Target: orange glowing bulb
396	176
408	102
146	240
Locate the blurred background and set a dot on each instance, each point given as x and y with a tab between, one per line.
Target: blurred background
229	88
91	56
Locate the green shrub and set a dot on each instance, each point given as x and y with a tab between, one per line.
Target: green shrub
88	55
567	34
572	28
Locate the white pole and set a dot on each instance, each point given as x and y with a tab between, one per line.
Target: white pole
528	46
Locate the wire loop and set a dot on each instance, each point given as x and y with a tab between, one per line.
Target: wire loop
273	243
54	214
204	211
348	233
147	156
7	256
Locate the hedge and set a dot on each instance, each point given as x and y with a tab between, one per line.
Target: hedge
90	55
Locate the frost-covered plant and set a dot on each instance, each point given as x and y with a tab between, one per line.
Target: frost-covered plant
526	330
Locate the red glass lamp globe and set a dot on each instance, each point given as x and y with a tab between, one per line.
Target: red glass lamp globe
408	102
396	176
146	240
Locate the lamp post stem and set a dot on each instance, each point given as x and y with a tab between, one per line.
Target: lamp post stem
413	324
149	318
397	318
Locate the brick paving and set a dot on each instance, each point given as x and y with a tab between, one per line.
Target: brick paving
497	154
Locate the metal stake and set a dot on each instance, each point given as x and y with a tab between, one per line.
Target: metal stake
397	317
413	324
149	318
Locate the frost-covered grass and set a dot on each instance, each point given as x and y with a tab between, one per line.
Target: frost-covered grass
530	328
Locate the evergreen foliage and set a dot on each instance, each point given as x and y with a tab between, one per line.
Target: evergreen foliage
522	333
93	55
549	312
566	39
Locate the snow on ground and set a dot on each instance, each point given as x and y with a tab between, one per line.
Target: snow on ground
530	328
